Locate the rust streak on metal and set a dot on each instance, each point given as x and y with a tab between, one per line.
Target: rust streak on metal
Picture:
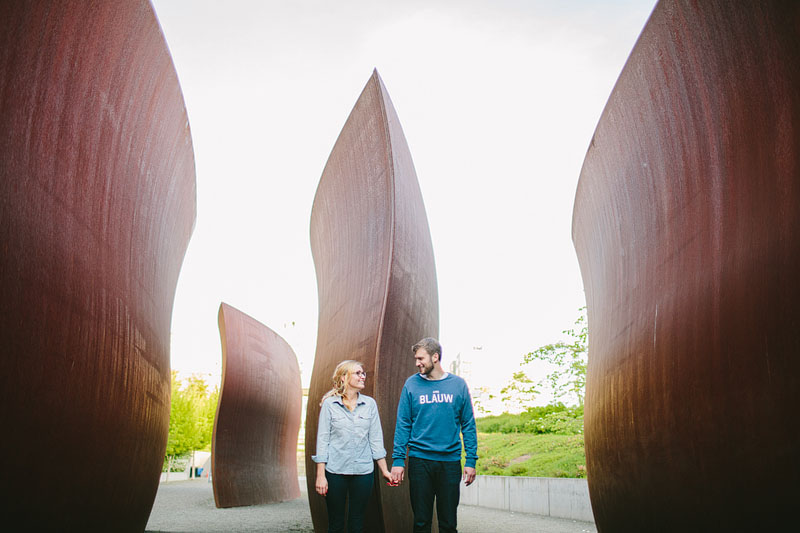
258	417
97	204
687	228
376	277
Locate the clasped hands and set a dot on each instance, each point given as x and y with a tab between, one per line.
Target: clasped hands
393	478
398	473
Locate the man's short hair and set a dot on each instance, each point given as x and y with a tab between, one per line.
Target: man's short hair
430	345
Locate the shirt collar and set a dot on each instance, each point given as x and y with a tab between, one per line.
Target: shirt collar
338	399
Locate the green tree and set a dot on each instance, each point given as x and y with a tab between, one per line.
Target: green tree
181	423
519	393
569	359
191	418
204	405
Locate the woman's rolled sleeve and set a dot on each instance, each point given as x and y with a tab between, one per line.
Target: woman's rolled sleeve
323	434
376	435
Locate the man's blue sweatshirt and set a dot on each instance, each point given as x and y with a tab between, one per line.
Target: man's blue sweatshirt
431	416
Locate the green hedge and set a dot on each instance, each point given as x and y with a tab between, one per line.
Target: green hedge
556	419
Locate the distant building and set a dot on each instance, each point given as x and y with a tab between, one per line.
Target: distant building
462	366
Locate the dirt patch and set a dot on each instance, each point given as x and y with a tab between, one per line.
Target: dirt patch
521	458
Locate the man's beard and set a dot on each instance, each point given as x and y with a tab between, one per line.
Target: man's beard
426	369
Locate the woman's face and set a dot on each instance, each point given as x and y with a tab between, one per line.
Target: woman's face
357	378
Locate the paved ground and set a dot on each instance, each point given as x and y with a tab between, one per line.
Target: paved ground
188	506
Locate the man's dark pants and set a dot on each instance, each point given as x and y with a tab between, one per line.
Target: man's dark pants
434	479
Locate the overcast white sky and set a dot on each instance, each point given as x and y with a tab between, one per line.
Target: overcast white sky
498	101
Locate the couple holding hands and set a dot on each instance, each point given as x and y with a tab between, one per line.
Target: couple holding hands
434	411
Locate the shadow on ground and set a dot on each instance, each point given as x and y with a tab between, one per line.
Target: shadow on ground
188	507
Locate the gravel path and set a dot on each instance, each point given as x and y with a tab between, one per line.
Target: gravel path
188	507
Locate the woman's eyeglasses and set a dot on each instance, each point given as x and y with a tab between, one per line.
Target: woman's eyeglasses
360	374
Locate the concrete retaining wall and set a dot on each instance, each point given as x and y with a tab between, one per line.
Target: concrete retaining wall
175	476
557	497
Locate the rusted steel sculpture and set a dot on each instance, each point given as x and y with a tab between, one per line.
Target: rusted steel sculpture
687	228
97	204
254	449
376	277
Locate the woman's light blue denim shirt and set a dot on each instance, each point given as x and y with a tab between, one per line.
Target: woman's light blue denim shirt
348	442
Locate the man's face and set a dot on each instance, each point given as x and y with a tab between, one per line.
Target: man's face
424	361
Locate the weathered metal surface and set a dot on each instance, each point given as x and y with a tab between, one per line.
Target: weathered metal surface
376	277
254	449
687	228
97	204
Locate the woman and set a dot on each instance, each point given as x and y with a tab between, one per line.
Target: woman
349	439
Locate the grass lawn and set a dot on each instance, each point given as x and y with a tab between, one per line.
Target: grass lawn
527	454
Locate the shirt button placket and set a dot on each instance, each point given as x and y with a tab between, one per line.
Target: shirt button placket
352	443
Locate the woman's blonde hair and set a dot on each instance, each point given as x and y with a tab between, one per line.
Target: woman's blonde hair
340	378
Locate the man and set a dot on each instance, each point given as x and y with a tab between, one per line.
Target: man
435	409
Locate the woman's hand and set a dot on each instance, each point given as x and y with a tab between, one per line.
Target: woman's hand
384	468
322	485
388	476
322	480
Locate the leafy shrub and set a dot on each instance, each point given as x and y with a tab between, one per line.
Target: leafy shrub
179	463
567	422
556	419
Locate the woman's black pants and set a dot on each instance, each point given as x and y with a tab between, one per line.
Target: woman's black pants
353	490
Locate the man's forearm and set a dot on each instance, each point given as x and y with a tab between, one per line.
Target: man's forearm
399	451
469	434
402	430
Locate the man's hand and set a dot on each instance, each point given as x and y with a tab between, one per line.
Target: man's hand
469	475
397	474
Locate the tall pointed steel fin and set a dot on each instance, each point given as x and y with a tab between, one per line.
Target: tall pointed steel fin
376	277
687	228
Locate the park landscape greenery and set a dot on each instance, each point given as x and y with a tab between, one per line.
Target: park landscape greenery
541	441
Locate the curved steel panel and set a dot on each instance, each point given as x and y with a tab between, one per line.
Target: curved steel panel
376	277
254	446
687	228
97	204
